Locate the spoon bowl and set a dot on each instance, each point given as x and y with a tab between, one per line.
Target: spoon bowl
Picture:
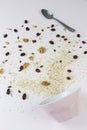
49	15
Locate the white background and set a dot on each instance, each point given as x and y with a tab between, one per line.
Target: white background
72	12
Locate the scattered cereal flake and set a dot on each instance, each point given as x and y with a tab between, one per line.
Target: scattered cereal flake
25	65
42	50
31	58
25	40
1	70
45	83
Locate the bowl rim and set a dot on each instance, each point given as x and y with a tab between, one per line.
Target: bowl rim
53	99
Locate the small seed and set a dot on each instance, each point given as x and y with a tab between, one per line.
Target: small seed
68	78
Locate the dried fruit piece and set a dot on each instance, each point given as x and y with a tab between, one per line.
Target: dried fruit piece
21	68
25	40
45	83
38	70
42	50
34	41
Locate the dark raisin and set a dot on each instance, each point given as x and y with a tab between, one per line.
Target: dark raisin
84	42
34	41
68	78
85	52
58	35
15	30
23	54
63	36
65	39
38	70
26	21
53	29
78	35
8	91
20	46
75	57
24	96
7	53
27	28
51	42
21	68
60	61
52	25
38	34
5	35
69	70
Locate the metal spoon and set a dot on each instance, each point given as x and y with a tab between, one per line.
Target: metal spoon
49	15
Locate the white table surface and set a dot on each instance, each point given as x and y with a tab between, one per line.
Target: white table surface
74	13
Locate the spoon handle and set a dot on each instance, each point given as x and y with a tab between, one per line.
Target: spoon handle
66	26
